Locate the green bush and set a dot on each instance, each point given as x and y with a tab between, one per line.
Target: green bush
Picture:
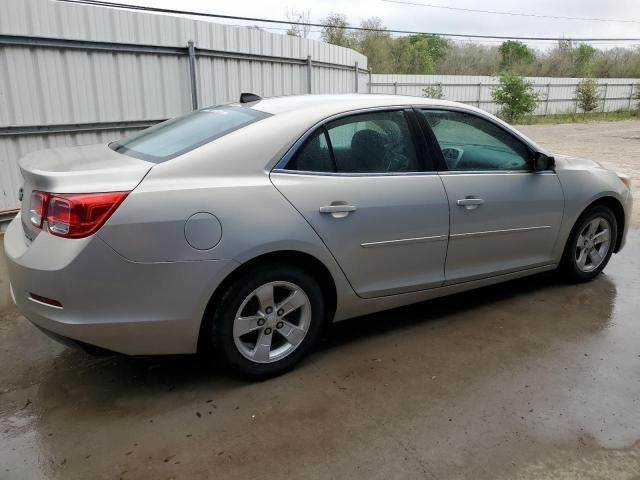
587	95
515	96
433	91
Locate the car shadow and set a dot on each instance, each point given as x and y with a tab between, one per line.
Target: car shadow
435	310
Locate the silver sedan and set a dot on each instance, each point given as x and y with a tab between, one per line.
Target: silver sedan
245	228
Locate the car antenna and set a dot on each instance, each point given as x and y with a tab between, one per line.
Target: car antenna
249	97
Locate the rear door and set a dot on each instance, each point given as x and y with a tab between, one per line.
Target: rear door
504	216
360	182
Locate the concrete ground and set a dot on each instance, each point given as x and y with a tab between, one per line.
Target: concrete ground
533	379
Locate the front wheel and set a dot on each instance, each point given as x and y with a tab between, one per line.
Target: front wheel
267	320
590	244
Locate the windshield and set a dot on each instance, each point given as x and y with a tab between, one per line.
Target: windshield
180	135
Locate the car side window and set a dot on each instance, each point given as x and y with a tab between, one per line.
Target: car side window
469	142
314	155
372	142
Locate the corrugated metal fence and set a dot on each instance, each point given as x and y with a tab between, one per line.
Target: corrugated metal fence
76	74
556	95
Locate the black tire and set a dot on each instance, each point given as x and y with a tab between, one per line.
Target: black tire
221	327
569	264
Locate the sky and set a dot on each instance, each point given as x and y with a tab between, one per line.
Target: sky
403	16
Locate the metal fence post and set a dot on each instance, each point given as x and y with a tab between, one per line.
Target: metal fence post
395	88
546	103
479	93
604	97
309	67
631	95
355	68
370	87
192	75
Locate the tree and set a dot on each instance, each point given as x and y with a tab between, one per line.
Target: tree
432	45
558	61
515	96
410	57
427	54
336	32
297	17
433	91
587	95
376	44
463	58
583	58
514	55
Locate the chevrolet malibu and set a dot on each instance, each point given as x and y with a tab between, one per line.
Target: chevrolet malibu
246	228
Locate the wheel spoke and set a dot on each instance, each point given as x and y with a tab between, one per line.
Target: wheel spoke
263	347
582	258
292	302
593	226
595	257
581	241
292	333
244	325
265	296
601	237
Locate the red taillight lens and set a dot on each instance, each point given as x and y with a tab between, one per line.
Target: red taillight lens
37	208
80	215
74	215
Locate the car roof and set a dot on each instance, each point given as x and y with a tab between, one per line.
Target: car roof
340	103
307	110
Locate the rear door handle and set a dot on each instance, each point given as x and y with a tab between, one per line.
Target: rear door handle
337	208
470	203
338	211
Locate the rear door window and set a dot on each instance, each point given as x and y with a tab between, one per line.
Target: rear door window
180	135
372	142
314	155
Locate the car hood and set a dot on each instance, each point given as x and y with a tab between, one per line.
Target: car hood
566	162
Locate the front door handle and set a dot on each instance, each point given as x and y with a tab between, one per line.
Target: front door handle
338	210
470	203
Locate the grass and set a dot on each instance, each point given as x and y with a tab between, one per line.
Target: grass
580	117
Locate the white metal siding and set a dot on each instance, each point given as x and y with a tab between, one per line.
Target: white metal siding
476	90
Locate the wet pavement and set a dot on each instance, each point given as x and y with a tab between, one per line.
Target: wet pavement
532	379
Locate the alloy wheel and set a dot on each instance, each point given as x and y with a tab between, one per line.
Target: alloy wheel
272	322
593	244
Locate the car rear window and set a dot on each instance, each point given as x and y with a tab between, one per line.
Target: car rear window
179	135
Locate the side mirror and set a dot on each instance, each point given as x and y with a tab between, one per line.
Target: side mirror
542	162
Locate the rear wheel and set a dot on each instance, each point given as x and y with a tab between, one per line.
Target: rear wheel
267	320
590	244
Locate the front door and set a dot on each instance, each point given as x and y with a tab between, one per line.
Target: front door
360	183
504	216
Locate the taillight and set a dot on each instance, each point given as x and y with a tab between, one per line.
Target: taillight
74	215
37	209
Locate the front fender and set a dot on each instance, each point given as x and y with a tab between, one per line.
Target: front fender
584	186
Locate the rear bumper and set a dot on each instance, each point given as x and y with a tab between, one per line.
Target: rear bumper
108	301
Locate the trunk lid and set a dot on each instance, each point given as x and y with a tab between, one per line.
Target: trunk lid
86	169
